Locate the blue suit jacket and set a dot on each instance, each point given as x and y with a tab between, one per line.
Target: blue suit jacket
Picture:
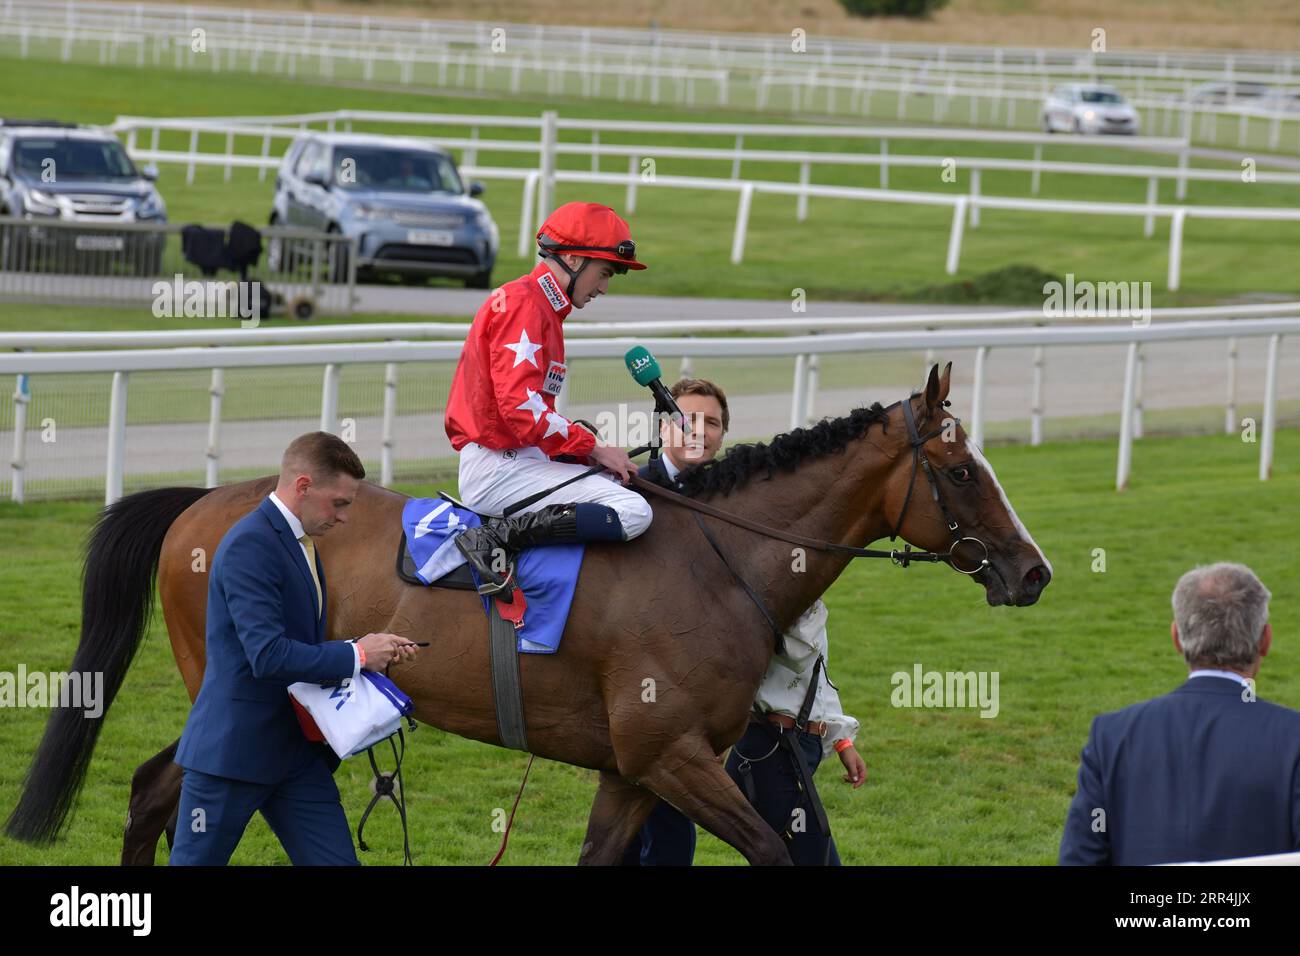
1198	774
655	471
263	634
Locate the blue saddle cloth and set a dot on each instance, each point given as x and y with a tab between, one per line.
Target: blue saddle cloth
548	576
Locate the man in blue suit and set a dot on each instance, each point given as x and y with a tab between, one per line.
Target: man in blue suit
243	749
1207	772
668	838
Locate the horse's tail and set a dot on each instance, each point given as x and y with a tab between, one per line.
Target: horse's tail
117	602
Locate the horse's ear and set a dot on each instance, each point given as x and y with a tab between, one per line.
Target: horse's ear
936	389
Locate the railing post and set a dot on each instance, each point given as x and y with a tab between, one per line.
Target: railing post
1137	391
329	400
1230	413
116	438
526	233
390	416
812	382
266	154
801	208
742	223
1149	225
799	401
1176	248
954	237
974	198
977	398
194	148
633	168
18	464
1270	410
1126	419
216	391
546	185
1036	413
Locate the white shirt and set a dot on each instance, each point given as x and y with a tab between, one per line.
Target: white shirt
296	529
673	470
1211	672
786	681
295	526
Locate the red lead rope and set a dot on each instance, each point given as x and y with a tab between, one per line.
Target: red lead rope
505	837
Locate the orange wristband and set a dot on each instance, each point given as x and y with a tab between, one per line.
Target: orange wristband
361	652
842	745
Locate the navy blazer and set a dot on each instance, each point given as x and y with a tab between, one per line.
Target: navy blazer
263	634
1198	774
654	470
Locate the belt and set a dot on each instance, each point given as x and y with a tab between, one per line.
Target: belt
815	727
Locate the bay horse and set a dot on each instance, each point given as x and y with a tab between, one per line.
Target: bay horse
664	609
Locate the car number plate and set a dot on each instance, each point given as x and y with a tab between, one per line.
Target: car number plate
430	237
100	243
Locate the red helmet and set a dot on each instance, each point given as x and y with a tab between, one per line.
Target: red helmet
592	230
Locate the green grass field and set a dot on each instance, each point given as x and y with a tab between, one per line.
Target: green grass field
845	250
944	786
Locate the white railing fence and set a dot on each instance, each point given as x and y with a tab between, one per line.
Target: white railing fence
539	184
803	348
719	70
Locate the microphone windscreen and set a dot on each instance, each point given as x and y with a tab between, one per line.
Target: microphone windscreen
642	365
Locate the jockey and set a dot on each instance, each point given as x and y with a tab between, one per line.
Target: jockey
501	413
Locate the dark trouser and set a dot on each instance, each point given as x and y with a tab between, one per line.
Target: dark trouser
668	837
303	811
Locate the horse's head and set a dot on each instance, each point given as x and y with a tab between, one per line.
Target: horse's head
959	488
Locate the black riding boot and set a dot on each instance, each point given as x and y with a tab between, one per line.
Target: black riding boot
490	548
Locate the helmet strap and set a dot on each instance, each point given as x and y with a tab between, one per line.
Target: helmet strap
572	273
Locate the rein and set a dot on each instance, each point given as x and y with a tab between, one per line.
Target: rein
901	558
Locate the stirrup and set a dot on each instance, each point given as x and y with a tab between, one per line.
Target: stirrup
505	589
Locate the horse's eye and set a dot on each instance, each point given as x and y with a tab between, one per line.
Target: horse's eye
962	474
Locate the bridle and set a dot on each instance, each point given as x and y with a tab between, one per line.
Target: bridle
901	558
919	457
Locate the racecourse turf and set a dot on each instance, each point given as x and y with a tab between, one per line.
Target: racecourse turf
945	786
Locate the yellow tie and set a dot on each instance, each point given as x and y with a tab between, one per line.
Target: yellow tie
311	566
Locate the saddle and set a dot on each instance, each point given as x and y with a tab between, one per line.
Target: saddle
508	636
459	579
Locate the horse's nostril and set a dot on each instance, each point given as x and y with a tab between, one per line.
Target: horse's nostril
1037	576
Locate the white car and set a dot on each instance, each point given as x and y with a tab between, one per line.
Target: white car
1087	108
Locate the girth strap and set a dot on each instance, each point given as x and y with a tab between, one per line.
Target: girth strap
507	687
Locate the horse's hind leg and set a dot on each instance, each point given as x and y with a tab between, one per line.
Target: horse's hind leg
691	779
619	810
155	799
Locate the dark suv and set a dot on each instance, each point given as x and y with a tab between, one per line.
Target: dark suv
401	199
60	172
